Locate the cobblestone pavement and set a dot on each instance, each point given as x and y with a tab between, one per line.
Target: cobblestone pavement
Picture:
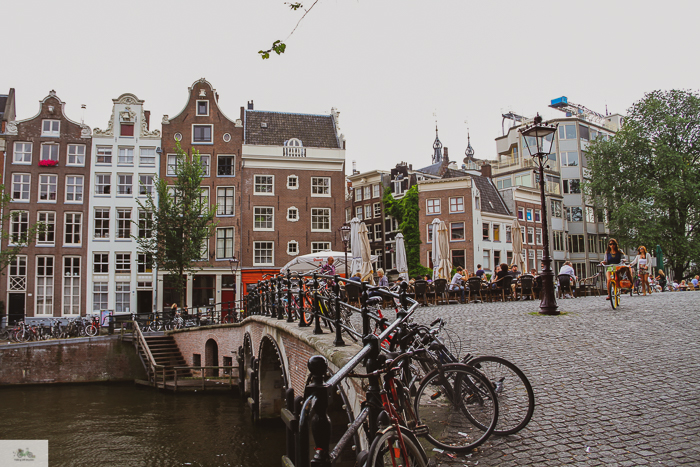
614	388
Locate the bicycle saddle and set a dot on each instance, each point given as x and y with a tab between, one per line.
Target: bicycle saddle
374	301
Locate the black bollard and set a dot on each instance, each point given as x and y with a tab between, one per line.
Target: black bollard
317	311
338	342
365	311
320	422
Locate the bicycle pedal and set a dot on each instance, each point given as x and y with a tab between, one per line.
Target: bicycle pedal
436	395
421	430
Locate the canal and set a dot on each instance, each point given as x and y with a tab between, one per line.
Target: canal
125	425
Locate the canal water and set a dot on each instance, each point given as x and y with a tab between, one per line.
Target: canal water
123	425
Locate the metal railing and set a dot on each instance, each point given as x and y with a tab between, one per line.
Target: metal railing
203	376
152	368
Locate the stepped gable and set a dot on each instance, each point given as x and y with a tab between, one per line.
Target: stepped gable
274	128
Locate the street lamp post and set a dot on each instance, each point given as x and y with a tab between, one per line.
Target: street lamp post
345	237
537	133
234	263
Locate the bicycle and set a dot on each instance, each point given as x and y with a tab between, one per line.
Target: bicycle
620	279
93	328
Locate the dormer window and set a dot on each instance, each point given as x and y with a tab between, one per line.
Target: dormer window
294	148
50	128
202	108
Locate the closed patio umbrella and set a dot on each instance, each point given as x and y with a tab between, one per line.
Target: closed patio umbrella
444	270
436	251
401	260
355	246
518	257
366	270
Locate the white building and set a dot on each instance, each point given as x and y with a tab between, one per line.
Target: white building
125	162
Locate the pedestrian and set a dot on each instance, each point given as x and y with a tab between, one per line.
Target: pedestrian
661	279
329	267
642	263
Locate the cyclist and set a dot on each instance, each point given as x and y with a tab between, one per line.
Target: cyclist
613	257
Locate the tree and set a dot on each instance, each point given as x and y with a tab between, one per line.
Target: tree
17	239
647	177
406	211
181	221
279	46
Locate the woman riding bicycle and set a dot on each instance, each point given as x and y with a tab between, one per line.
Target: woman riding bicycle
613	258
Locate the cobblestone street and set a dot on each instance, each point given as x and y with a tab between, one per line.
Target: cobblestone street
614	388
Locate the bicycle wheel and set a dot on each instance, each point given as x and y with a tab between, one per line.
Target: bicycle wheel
386	450
458	406
91	330
516	401
618	293
612	293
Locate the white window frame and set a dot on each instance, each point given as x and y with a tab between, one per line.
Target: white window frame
104	153
377	210
125	156
196	109
122	297
54	129
25	149
100	184
146	188
256	256
205	162
129	185
45	218
258	211
368	211
76	184
317	247
147	160
70	282
44	286
46	181
233	166
530	215
509	234
290	251
530	235
51	156
145	224
378	232
74	157
358	212
226	239
24	185
321	187
295	211
458	201
123	259
101	289
223	209
486	227
19	227
17	276
432	206
376	192
103	262
358	194
211	133
538	236
315	215
256	183
103	231
292	182
538	215
73	234
124	223
464	232
171	165
368	192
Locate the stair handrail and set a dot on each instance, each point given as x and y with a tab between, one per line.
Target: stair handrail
144	345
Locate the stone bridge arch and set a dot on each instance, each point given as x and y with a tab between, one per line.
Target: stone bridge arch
272	378
246	371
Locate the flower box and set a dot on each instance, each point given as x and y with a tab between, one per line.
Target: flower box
48	163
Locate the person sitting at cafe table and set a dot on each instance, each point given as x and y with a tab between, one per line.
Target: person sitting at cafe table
515	274
458	282
500	273
480	273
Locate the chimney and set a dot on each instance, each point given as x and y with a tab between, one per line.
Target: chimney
250	105
444	154
147	116
486	170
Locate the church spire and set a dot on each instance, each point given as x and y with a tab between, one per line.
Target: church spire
470	150
437	148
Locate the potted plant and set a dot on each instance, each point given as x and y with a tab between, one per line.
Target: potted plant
48	163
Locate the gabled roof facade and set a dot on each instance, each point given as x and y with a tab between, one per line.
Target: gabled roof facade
274	128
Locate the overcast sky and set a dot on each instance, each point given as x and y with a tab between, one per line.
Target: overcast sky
390	67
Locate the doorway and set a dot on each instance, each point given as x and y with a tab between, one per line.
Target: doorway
15	308
144	301
211	357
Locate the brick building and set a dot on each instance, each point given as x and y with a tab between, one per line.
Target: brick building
7	114
292	195
47	172
202	126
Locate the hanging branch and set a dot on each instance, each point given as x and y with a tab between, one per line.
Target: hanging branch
278	46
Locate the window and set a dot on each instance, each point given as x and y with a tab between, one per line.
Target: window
529	215
522	180
264	185
100	296
292	214
124	223
126	129
538	236
590	215
126	156
50	128
103	184
48	184
72	228
457	204
358	194
201	133
147	156
458	258
44	285
292	182
100	263
567	131
576	244
600	216
294	148
145	224
76	154
20	187
71	285
377	210
47	235
602	243
19	225
104	155
538	215
292	247
486	261
572	185
145	184
504	183
263	253
375	191
203	108
122	297
377	232
122	263
358	212
144	263
556	208
225	197
531	259
224	242
368	211
49	152
574	214
320	219
521	214
398	186
370	232
368	192
348	214
124	185
592	243
433	206
524	236
101	223
496	232
530	235
74	189
569	159
320	246
485	227
205	162
263	218
172	165
321	186
457	231
497	258
584	132
18	273
22	153
509	235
